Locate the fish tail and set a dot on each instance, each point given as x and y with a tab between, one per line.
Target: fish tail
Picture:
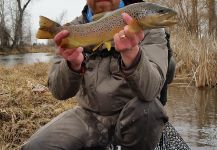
47	29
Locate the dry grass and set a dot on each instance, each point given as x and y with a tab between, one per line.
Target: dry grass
29	49
22	110
196	58
40	48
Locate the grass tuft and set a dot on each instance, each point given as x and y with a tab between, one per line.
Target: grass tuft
23	110
196	58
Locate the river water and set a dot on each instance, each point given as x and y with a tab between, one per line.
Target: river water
28	58
192	111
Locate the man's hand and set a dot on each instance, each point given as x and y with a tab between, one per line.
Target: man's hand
73	56
126	42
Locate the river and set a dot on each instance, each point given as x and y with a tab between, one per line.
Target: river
28	58
192	111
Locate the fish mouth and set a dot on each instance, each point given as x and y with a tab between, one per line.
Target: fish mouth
167	19
159	20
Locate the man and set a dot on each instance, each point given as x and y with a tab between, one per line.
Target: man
117	91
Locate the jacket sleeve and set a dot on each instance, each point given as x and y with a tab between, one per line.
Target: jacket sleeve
148	76
62	81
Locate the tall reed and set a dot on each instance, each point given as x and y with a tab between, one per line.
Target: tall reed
196	57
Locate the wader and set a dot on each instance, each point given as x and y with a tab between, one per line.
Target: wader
137	127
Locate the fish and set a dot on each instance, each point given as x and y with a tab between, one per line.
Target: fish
144	15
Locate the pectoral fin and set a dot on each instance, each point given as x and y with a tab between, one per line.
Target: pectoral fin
108	45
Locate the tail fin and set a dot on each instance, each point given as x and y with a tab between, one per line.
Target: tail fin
47	29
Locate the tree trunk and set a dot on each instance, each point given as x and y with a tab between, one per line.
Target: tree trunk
18	31
4	35
194	18
211	17
18	36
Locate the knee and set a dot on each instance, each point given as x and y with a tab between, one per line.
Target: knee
138	122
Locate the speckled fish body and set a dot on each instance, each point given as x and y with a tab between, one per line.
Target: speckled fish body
145	16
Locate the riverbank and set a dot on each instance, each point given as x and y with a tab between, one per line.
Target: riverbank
29	49
26	104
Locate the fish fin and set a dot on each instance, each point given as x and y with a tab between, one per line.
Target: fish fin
99	15
97	46
134	26
108	45
47	29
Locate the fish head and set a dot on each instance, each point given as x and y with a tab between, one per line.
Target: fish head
155	16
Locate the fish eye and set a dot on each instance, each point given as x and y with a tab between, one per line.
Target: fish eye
162	11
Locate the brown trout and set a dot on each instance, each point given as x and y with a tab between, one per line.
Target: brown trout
145	16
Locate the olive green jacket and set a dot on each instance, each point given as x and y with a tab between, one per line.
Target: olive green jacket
106	86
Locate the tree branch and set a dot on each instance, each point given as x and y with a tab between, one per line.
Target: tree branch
24	7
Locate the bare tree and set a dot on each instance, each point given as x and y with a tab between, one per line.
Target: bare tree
194	18
60	19
18	35
4	33
27	33
211	16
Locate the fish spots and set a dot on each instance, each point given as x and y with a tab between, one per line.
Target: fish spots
99	31
95	30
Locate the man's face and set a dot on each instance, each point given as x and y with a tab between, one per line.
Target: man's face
99	6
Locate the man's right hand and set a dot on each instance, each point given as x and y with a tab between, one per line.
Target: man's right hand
73	56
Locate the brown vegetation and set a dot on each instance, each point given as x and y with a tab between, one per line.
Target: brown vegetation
29	49
26	104
196	58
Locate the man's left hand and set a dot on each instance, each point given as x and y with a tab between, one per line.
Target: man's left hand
127	43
